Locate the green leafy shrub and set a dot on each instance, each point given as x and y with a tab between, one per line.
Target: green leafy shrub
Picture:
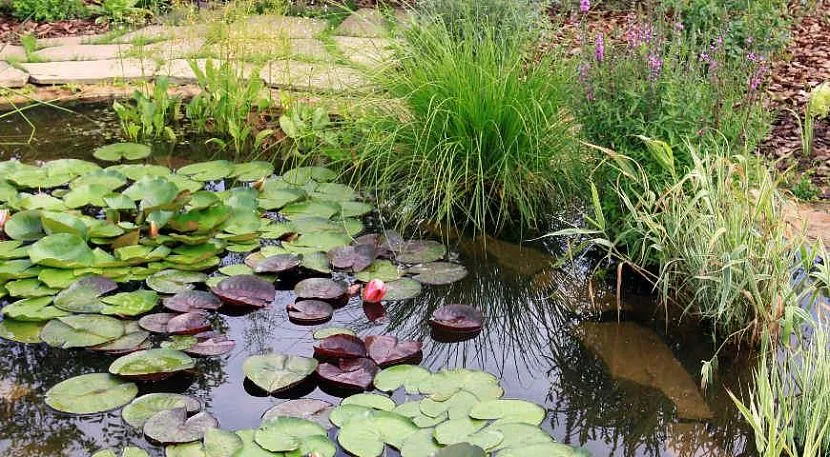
120	11
48	10
476	134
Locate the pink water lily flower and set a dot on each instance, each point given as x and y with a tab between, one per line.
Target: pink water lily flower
374	291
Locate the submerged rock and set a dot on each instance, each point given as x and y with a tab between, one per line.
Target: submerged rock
635	353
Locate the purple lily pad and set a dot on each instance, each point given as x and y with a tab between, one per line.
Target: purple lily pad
192	300
309	312
457	319
213	345
320	289
386	350
357	258
188	323
156	323
340	346
278	263
349	374
374	311
246	290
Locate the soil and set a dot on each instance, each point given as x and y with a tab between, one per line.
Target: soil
11	28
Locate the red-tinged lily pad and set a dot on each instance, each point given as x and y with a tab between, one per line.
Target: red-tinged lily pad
278	263
320	289
356	258
211	346
189	323
374	311
192	300
386	350
152	364
340	346
245	290
419	251
458	319
156	323
309	312
173	426
303	408
349	374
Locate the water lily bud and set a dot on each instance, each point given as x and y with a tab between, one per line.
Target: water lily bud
4	217
259	184
154	229
374	291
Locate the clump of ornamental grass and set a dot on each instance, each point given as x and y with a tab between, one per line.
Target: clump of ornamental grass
475	133
788	408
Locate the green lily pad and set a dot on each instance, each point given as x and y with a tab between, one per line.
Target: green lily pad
316	261
519	436
273	198
175	281
384	270
40	201
109	179
208	171
221	443
276	372
461	450
122	151
10	250
438	273
173	426
140	410
236	270
134	339
355	209
458	406
446	383
63	223
57	278
62	250
82	295
408	376
130	303
310	208
33	310
412	410
151	364
333	192
304	408
284	434
303	175
21	332
402	289
90	393
81	331
86	195
194	449
420	444
252	171
29	288
7	191
24	226
549	449
367	437
324	333
419	251
369	400
129	451
317	241
153	194
509	411
138	172
458	430
18	269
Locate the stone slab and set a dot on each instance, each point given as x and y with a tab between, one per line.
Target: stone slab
81	52
12	78
316	77
309	48
365	22
9	51
286	26
68	40
369	52
89	72
174	49
163	32
180	71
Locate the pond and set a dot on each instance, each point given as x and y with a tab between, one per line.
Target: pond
614	387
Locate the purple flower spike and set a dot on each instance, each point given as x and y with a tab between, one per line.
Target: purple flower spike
600	48
584	5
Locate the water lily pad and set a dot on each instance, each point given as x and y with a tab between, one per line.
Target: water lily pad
152	364
175	281
349	373
189	323
134	339
420	444
35	309
249	446
278	263
157	322
273	198
221	443
24	226
446	383
518	436
245	290
86	195
90	393
320	289
62	250
343	414
252	171
285	434
380	269
109	179
408	376
317	241
355	209
208	171
82	295
420	251
211	346
304	408
130	303
367	437
458	430
303	175
63	223
316	261
21	332
355	258
153	194
236	270
129	451
310	208
122	151
18	269
276	372
39	201
509	411
324	333
462	450
438	273
172	426
309	312
340	346
387	350
192	300
402	289
457	318
81	331
137	172
373	401
457	406
412	410
146	406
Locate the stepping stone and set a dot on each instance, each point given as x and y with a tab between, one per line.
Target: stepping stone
175	49
12	78
369	52
9	51
89	72
68	40
180	72
276	26
309	48
365	22
81	52
318	77
163	32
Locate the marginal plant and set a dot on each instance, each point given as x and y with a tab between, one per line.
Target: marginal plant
150	113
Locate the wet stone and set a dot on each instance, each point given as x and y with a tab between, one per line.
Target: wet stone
91	72
12	78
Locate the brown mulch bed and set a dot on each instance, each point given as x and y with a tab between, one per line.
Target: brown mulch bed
11	28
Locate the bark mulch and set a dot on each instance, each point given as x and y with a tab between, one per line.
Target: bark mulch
11	28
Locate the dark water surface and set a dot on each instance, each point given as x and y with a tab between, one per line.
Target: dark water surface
616	388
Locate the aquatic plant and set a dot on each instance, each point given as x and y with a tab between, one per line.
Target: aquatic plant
150	114
477	132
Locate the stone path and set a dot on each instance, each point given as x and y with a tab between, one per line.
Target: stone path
292	53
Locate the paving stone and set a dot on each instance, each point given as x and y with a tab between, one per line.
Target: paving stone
89	72
370	52
309	48
163	32
318	77
173	49
287	26
180	71
81	52
9	51
68	40
12	78
365	22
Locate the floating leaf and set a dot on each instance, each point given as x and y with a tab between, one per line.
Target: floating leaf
509	411
146	406
320	289
278	263
121	151
285	434
309	312
446	383
86	195
33	310
457	318
303	175
24	226
366	437
151	364
413	411
245	290
134	339
355	209
130	303
458	430
420	444
90	393
109	179
349	373
188	323
462	450
82	295
276	372
386	350
236	270
208	171
129	451
81	331
310	208
63	223
21	332
316	261
211	346
402	289
408	376
419	251
324	333
340	346
304	408
174	281
157	322
62	250
438	273
192	300
373	401
252	171
173	426
221	443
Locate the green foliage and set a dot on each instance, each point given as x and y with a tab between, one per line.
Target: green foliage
120	11
804	189
507	20
308	126
48	10
478	134
149	115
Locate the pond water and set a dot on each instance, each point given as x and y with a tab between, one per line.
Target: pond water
617	388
